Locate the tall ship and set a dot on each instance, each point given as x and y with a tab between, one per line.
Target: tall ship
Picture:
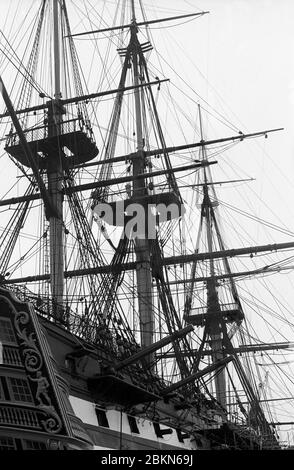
123	320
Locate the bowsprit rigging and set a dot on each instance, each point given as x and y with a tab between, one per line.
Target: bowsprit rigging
108	228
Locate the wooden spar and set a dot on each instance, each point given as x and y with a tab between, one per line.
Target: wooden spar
264	270
166	262
129	157
212	183
197	375
242	349
109	182
153	347
155	152
262	401
227	253
282	423
84	97
111	92
202	143
17	200
141	23
136	177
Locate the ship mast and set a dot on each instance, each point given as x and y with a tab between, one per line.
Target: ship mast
56	49
213	306
143	268
55	174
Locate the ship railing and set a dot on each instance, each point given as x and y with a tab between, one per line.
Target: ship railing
76	323
235	419
199	310
41	132
245	430
11	356
46	307
223	308
78	429
230	306
19	416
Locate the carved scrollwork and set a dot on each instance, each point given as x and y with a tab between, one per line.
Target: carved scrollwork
21	317
31	353
20	320
51	422
34	362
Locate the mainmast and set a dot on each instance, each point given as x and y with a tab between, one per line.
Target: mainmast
55	176
143	269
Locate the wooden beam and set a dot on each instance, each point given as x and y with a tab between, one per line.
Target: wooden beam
242	349
108	182
173	260
197	375
153	347
84	97
227	253
283	423
202	143
260	401
141	23
125	179
254	272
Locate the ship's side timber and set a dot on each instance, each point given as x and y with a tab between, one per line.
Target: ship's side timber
168	423
167	420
